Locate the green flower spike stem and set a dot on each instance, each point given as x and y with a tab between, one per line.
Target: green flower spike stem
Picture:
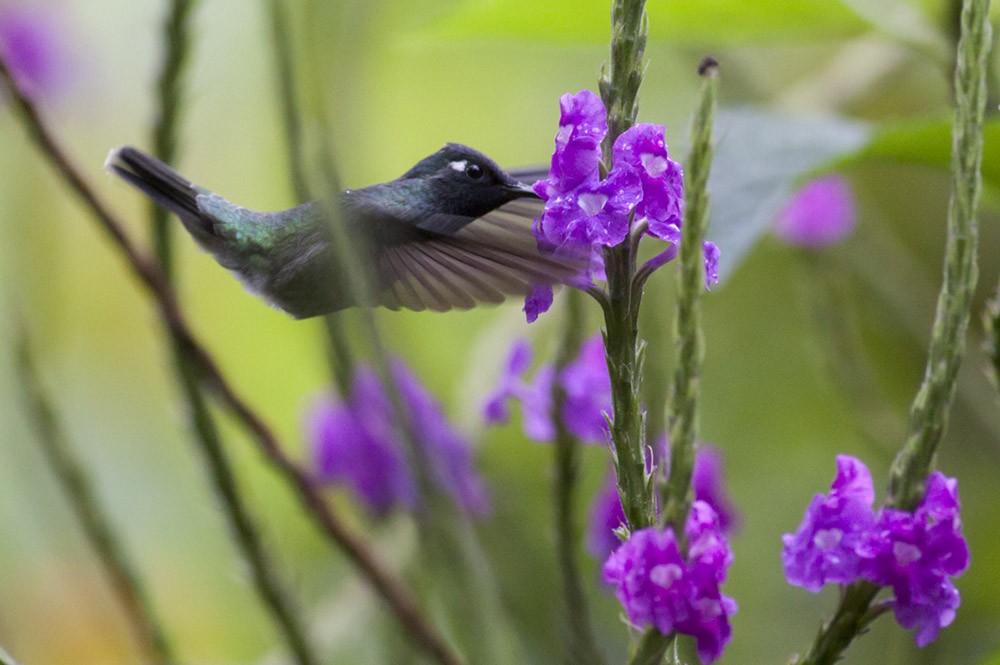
683	415
79	489
683	411
929	414
581	645
169	93
619	87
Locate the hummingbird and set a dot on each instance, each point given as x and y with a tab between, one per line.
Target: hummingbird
452	232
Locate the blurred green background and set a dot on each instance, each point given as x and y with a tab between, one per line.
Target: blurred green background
808	354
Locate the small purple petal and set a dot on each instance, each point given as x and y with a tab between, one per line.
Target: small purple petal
820	214
538	301
606	515
712	255
643	149
588	393
708	483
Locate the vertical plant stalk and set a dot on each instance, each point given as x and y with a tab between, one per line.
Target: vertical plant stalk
619	86
929	413
245	531
397	596
581	645
169	92
682	417
339	351
928	416
79	489
267	582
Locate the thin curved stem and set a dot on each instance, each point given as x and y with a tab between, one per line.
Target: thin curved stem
397	596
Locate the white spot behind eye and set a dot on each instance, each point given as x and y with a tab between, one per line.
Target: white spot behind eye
460	165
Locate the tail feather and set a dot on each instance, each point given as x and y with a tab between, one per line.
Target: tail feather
164	186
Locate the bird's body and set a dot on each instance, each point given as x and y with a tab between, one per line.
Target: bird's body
453	231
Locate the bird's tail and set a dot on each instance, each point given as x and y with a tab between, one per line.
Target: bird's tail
164	186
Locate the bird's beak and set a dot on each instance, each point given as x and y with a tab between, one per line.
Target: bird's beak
519	189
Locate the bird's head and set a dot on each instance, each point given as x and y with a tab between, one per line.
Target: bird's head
466	181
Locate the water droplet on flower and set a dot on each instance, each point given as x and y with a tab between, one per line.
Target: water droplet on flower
665	575
905	553
827	539
592	202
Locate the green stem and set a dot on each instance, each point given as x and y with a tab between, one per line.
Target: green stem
651	649
79	489
581	645
397	596
619	87
851	619
246	533
682	417
270	590
169	89
929	413
339	350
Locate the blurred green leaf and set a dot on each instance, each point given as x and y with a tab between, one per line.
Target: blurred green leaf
760	157
710	22
904	21
928	143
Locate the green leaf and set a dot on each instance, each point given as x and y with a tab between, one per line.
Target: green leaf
760	157
928	143
709	22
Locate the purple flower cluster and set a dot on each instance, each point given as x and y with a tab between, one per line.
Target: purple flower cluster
606	513
357	443
584	381
842	539
658	586
584	213
820	214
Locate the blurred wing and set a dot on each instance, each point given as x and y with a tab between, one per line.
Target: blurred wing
484	261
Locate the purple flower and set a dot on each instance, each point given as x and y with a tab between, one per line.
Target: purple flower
356	443
916	554
583	124
586	385
822	213
538	301
658	587
591	214
643	149
708	482
588	392
606	513
823	549
31	46
712	255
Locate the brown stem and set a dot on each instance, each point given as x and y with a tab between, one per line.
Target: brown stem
396	595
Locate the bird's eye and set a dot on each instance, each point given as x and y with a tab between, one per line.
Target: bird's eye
474	171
